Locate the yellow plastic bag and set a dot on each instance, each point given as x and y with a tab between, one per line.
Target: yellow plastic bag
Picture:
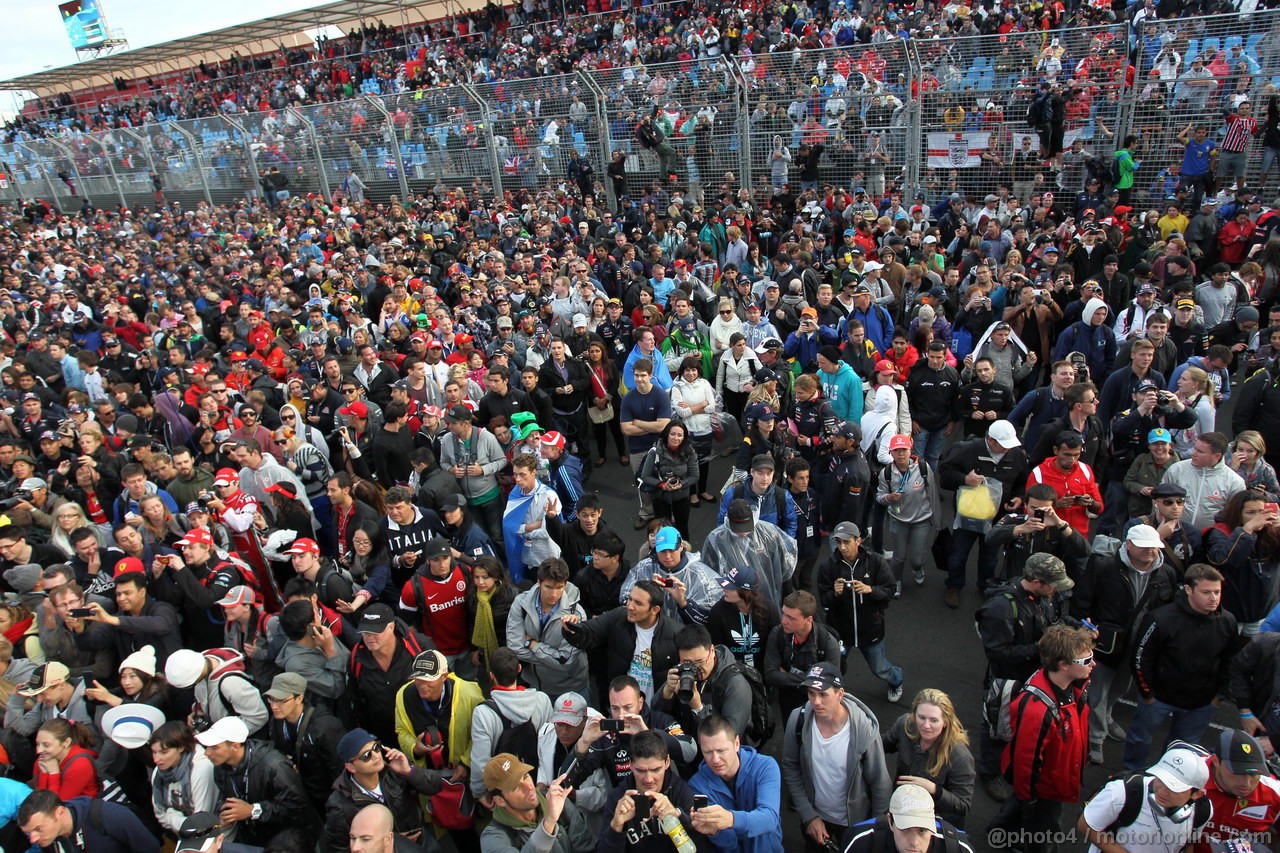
976	502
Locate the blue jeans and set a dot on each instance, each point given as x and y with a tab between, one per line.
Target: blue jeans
928	446
1188	725
962	542
878	662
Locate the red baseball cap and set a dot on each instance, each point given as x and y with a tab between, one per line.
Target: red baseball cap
196	536
899	442
884	365
433	412
226	477
356	409
239	356
238	595
304	546
128	566
284	488
554	439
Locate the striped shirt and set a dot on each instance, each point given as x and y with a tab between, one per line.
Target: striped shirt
1240	129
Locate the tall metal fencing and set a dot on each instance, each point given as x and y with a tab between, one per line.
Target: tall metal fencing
938	115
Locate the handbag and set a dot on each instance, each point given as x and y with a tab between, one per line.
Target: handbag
600	416
453	807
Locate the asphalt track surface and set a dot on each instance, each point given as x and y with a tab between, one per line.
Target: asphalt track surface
935	646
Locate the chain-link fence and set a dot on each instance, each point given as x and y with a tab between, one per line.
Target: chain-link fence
932	114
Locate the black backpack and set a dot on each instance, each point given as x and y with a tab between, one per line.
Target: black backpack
1036	111
1113	174
762	724
519	739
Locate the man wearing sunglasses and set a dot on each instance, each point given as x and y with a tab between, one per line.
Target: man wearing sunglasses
373	773
1182	541
1114	595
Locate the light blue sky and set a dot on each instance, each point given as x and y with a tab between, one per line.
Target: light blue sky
33	36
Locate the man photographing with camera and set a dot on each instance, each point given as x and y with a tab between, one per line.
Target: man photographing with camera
705	682
607	742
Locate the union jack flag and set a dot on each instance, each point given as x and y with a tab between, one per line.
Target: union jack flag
512	165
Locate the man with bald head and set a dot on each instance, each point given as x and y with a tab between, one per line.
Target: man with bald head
373	831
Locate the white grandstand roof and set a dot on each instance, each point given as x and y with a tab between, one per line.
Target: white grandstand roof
248	39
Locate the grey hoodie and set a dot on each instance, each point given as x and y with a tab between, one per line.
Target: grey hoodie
486	725
868	782
919	490
553	666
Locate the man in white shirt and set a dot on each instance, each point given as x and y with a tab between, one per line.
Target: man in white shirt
1160	810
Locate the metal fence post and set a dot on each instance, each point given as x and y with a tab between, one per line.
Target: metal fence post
913	147
393	143
598	99
315	148
199	158
743	94
487	117
108	155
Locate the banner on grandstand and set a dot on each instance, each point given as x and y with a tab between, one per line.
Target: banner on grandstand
957	150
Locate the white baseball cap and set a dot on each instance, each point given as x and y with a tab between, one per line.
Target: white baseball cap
911	807
1003	434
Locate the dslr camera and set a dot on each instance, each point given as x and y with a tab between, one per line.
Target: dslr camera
687	673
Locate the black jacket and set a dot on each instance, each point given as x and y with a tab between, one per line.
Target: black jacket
644	835
613	631
549	379
846	489
265	777
977	396
974	455
400	795
1181	656
1258	407
1108	597
1095	453
312	747
857	618
1254	679
785	662
1129	431
932	394
1010	622
1067	545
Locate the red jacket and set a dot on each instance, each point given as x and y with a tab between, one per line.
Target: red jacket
1078	481
78	776
1235	240
1046	756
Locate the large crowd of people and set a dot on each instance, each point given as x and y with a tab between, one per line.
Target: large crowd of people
403	418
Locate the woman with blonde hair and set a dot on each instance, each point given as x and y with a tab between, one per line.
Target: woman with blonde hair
1246	460
723	327
1195	390
933	752
67	519
159	526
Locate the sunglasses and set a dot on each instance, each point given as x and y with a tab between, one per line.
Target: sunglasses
199	833
376	749
1083	661
725	313
1173	501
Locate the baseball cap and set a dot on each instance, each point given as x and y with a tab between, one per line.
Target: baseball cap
352	743
304	546
762	461
1159	434
32	483
1241	754
504	772
436	548
196	536
1144	536
911	807
668	539
430	665
884	365
809	312
579	321
45	677
1047	568
740	577
240	594
1185	303
226	730
823	676
570	708
553	439
226	477
1003	434
1144	386
846	530
128	566
356	410
899	442
199	832
284	487
1181	770
458	414
375	618
849	430
286	685
761	412
740	518
452	503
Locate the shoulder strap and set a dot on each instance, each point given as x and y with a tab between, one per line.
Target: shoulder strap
420	592
950	838
880	836
1045	698
95	816
1134	788
223	696
780	504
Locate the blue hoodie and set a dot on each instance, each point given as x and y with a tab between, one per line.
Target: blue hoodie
843	390
661	375
755	802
